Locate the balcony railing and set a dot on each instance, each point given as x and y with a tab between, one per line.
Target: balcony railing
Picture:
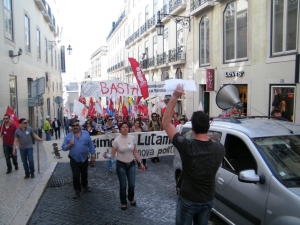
47	13
117	66
41	4
197	3
174	4
116	25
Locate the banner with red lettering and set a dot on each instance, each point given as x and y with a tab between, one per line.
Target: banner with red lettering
210	79
109	88
140	77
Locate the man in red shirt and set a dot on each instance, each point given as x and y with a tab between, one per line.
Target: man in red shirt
7	133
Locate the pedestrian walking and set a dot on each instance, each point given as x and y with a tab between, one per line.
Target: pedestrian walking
56	127
201	158
23	139
125	146
67	125
79	144
109	128
47	128
7	133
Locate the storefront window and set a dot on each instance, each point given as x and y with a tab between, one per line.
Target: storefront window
283	98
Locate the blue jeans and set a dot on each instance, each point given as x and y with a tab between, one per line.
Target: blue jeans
48	136
109	165
7	149
188	213
27	154
126	172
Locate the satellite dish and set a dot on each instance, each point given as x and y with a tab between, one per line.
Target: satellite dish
228	97
58	100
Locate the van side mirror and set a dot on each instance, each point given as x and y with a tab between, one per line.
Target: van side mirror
249	176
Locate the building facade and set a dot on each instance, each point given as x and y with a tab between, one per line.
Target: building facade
29	50
252	44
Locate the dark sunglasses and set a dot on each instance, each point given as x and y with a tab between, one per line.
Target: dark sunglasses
75	125
24	123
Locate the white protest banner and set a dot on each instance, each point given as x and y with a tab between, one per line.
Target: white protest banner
158	88
188	85
109	88
149	144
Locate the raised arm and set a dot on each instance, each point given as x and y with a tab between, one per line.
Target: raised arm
167	119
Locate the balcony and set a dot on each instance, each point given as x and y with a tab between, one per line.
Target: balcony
176	6
119	65
115	25
128	69
52	23
198	6
41	4
47	13
56	31
177	56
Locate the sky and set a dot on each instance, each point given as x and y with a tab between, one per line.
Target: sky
86	25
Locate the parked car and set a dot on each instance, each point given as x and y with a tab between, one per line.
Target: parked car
258	181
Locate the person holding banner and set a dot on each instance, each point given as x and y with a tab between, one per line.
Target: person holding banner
125	146
79	144
201	158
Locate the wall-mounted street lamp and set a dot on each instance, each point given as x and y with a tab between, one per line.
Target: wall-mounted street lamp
11	53
183	20
69	49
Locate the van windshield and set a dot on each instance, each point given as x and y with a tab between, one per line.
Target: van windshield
283	152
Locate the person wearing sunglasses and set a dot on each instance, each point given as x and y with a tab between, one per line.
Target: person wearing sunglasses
23	139
7	133
79	144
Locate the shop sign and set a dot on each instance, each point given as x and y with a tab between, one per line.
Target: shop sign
234	74
210	79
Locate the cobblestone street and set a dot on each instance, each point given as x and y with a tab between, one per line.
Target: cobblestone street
155	195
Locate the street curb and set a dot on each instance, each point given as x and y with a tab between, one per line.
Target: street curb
26	211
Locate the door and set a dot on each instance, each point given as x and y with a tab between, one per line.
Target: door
241	203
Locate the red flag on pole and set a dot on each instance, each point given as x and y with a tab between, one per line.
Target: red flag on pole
138	100
140	77
13	118
124	111
92	110
111	104
82	100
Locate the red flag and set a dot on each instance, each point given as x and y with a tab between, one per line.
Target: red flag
124	111
138	100
143	109
82	100
111	104
140	77
13	118
92	110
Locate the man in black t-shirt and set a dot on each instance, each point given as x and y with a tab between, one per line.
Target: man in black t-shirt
201	158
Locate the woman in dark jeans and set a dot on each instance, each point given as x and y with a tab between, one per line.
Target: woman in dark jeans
125	145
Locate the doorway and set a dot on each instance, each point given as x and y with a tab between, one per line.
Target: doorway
243	89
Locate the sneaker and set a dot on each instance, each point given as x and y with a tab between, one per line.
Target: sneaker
8	171
16	167
76	195
26	176
32	176
110	170
86	189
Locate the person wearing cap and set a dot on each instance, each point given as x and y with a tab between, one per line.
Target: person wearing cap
80	145
47	128
56	127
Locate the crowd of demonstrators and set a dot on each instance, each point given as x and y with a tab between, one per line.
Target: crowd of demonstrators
79	144
7	133
23	139
125	147
197	191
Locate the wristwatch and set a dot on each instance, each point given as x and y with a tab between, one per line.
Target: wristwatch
93	156
140	162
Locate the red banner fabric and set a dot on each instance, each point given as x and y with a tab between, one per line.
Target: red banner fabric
82	100
140	77
210	79
92	111
124	111
13	118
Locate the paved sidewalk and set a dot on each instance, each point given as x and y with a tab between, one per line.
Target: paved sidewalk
19	197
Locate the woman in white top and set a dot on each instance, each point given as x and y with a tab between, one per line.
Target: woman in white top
125	145
181	123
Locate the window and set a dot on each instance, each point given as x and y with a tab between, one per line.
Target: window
204	41
27	33
238	155
51	52
134	26
55	59
13	100
38	43
139	53
179	36
166	41
129	30
284	26
46	50
178	74
235	30
8	19
155	9
155	45
128	6
164	76
146	13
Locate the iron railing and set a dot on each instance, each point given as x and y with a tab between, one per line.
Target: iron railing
197	3
116	25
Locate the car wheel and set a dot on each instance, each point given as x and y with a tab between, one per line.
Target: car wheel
177	179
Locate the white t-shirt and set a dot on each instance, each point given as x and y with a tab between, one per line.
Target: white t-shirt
125	146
